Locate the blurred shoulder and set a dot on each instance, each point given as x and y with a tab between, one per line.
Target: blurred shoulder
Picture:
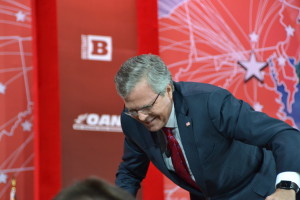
195	88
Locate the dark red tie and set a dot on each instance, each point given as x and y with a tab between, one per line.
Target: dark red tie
178	159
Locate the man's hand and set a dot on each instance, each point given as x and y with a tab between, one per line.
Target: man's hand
282	194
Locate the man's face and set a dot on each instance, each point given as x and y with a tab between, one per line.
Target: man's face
142	96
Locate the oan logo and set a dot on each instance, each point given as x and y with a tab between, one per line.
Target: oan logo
96	47
95	122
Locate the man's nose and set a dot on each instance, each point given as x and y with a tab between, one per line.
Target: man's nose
142	116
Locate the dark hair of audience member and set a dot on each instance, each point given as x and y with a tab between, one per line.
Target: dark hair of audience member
93	189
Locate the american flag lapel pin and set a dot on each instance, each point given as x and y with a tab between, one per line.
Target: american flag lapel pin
188	123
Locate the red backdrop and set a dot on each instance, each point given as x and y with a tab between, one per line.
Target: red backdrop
94	39
248	47
16	99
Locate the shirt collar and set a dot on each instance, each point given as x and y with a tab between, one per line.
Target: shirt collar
172	122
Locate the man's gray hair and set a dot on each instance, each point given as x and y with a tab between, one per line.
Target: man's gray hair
147	66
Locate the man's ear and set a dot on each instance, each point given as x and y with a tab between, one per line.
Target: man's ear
169	91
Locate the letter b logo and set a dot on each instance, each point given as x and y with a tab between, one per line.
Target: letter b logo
96	47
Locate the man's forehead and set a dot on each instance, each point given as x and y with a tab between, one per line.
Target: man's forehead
140	99
141	85
141	89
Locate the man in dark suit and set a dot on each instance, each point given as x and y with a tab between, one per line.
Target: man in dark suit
202	138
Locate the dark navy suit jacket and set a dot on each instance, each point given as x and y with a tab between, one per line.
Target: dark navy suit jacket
233	151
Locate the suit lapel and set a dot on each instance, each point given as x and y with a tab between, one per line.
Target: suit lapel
156	152
185	126
160	164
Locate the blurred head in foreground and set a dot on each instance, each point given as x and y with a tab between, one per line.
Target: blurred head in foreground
93	189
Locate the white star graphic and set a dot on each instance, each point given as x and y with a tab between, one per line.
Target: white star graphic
253	68
253	37
258	107
289	30
26	126
2	88
20	16
3	178
281	61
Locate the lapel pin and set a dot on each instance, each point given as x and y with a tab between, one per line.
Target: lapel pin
188	124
